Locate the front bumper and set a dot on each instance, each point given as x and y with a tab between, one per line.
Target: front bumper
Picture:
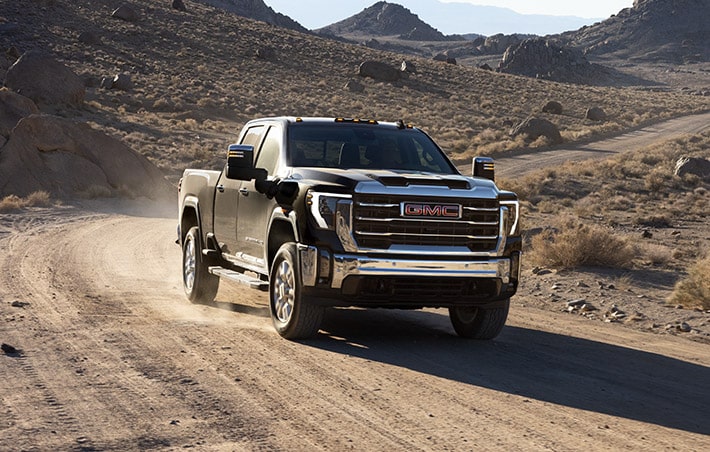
319	267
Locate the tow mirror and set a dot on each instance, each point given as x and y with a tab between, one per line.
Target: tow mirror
484	167
240	164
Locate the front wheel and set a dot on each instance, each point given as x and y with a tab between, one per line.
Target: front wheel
292	315
479	323
200	285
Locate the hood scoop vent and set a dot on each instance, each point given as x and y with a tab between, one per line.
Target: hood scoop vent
400	181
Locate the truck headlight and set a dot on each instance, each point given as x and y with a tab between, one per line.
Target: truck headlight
511	217
323	207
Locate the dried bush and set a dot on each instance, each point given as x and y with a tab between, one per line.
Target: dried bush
38	199
11	203
578	245
694	290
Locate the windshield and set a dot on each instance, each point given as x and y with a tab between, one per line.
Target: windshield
365	146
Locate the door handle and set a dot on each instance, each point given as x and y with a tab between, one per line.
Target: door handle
244	191
220	188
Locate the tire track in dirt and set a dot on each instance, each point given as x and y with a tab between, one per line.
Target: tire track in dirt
117	358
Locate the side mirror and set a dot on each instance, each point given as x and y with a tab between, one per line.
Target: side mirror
240	164
484	167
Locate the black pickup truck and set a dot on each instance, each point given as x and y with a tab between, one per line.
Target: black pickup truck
348	212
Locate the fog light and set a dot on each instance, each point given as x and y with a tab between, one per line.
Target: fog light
323	266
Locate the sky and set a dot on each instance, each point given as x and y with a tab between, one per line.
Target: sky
588	9
314	14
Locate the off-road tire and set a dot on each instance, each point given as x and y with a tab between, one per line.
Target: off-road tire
200	286
293	316
479	323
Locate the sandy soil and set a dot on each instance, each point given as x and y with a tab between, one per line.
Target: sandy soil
111	356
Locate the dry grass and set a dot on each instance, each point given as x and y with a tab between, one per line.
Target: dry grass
640	184
693	291
14	203
579	245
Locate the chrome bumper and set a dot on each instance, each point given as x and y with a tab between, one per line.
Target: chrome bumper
344	265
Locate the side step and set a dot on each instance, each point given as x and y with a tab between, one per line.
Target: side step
241	278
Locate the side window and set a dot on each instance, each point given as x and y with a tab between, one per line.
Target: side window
268	157
253	136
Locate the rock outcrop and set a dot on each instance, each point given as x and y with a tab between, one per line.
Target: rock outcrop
45	80
13	107
541	58
67	158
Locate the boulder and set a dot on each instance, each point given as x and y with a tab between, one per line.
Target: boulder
46	81
534	128
379	71
126	12
13	107
552	107
596	114
121	82
179	5
66	158
408	66
693	165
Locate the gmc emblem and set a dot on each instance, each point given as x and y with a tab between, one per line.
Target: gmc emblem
411	209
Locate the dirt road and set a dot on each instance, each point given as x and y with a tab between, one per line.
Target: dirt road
526	161
111	356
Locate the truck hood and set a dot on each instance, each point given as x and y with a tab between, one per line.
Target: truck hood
394	181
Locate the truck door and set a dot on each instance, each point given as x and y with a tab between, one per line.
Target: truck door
254	208
227	199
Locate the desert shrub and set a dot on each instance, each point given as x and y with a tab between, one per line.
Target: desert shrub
694	290
577	245
656	254
11	203
38	199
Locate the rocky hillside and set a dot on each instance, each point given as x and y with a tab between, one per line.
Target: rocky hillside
257	10
674	31
176	86
384	19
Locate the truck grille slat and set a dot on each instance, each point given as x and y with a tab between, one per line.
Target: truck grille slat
378	223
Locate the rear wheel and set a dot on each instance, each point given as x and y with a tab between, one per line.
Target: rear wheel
479	323
292	315
200	286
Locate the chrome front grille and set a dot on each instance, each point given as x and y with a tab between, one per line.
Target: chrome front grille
378	223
